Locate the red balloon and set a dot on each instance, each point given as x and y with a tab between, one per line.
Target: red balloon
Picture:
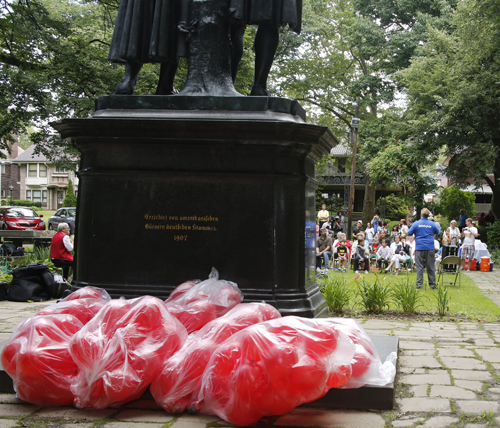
121	351
36	357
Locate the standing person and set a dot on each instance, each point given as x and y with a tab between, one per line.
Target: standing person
323	215
337	227
424	231
491	217
453	233
324	247
61	247
461	220
374	222
340	214
370	233
357	229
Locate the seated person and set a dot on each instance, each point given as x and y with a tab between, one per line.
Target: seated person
374	248
383	254
399	252
343	255
324	247
360	251
61	247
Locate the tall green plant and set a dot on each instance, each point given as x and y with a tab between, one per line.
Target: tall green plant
443	300
70	198
406	296
453	200
374	297
335	292
493	233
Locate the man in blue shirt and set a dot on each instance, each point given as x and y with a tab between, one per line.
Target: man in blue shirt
461	220
424	231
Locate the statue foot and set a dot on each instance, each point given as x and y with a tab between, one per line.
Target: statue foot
166	91
126	88
259	91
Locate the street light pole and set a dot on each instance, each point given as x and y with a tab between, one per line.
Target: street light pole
11	188
354	126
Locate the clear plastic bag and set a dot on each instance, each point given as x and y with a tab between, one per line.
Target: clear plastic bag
83	304
121	350
180	379
367	368
37	359
271	367
204	302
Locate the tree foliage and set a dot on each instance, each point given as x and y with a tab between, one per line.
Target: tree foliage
452	200
70	198
394	207
454	92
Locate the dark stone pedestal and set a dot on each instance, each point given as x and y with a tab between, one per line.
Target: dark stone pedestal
167	192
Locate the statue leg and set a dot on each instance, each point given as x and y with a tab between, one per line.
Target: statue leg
129	79
167	75
266	43
237	31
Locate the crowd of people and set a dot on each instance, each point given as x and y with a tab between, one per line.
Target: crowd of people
415	245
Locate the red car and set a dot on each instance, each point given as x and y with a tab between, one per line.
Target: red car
20	218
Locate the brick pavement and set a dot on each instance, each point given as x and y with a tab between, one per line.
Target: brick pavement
449	376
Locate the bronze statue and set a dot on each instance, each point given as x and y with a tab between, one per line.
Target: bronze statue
149	31
146	31
269	15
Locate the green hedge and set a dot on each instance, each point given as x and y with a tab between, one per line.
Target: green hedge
21	203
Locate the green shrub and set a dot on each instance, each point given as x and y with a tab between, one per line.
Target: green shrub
452	200
395	207
406	296
374	298
335	292
70	198
21	203
493	233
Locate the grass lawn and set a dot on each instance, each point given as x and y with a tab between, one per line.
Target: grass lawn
466	301
46	214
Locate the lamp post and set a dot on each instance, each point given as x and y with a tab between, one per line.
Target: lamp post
354	126
11	188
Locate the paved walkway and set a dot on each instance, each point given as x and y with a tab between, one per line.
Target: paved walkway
449	376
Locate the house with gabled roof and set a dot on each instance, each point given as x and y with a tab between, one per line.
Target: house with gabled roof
42	180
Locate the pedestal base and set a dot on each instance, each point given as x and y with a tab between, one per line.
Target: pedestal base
167	192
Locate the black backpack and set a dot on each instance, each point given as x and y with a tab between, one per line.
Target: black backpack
11	250
31	282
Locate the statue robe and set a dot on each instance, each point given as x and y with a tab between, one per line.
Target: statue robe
279	12
146	31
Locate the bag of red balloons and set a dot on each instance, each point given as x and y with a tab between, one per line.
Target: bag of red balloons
272	367
195	304
179	383
121	350
37	359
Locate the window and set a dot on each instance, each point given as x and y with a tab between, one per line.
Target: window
28	195
42	170
3	168
37	196
44	197
32	170
3	194
60	197
60	169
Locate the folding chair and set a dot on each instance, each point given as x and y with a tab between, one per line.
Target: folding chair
450	262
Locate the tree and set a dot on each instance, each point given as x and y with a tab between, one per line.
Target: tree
395	207
53	65
70	198
452	200
455	96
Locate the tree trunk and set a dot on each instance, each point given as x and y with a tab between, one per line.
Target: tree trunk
495	204
368	202
209	68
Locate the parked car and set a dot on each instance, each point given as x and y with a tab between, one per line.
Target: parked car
20	218
63	215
